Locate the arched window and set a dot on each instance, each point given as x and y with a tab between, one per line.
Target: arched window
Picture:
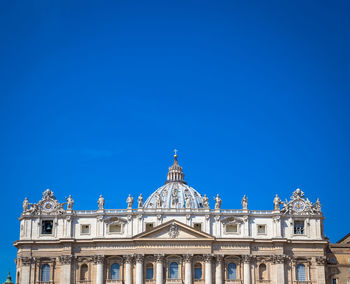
149	271
262	272
174	270
84	272
115	271
45	273
301	274
198	271
232	271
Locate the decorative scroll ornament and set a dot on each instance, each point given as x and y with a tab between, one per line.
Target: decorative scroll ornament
279	258
173	231
299	205
48	205
128	259
187	257
321	260
26	261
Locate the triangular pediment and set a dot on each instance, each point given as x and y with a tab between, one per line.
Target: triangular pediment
173	230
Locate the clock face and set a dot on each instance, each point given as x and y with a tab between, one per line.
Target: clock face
48	206
299	206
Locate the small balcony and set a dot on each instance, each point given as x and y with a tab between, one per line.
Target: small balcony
173	281
114	281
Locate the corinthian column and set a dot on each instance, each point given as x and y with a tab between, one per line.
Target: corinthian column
66	262
159	269
218	270
208	270
188	268
99	261
320	269
128	269
278	260
246	269
25	270
139	269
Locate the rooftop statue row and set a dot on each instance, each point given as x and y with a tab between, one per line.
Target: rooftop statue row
48	204
174	194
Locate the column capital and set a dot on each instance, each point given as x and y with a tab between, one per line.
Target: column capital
159	257
207	257
219	258
128	259
187	257
139	258
65	259
279	258
26	261
98	259
321	260
247	258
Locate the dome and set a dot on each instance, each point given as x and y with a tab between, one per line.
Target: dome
175	193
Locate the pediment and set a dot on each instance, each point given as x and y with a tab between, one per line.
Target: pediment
173	230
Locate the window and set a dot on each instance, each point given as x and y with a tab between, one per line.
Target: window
232	271
46	227
261	229
84	272
197	226
299	227
197	271
334	281
149	226
262	271
231	228
115	228
45	273
174	270
149	271
85	229
115	271
301	274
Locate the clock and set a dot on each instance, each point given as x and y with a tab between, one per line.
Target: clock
48	206
299	206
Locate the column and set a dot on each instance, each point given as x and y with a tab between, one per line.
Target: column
218	270
188	268
246	269
139	269
99	261
128	269
159	269
25	270
320	269
278	261
208	270
66	262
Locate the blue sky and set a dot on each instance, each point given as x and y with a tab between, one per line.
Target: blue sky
95	95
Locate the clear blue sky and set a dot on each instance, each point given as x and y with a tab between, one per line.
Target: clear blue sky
95	95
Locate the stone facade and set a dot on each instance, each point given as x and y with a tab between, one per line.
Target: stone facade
338	256
174	237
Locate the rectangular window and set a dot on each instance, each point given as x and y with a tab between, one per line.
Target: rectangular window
85	229
261	229
231	228
299	228
197	226
115	228
47	227
334	281
149	226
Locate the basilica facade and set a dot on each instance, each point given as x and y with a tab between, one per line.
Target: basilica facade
172	237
